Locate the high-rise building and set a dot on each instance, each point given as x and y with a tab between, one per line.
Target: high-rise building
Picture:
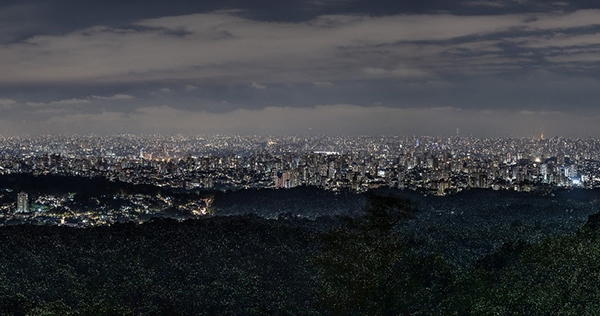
544	172
22	202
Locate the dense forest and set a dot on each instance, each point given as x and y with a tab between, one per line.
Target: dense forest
289	265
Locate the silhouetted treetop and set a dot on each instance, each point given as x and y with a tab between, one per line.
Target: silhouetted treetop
385	212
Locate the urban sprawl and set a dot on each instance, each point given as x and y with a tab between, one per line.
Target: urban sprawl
432	165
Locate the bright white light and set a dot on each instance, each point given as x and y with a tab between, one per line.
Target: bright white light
576	182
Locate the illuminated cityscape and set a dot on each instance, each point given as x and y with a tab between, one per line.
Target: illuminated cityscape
203	165
433	165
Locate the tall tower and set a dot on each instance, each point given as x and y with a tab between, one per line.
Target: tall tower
22	202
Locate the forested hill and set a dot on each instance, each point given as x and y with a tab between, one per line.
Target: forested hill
211	266
245	265
56	184
308	202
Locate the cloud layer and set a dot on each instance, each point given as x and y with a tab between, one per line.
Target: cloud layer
207	47
457	64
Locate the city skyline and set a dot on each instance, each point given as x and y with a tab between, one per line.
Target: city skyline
330	67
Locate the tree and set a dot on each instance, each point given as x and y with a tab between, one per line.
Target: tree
369	268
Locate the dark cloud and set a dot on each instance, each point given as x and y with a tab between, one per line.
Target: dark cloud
59	16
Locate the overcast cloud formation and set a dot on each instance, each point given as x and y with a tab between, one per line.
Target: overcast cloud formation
490	68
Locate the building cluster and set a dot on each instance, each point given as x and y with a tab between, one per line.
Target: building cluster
434	164
66	209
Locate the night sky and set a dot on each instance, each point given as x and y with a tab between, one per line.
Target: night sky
387	67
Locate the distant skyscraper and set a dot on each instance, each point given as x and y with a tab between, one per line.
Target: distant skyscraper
22	202
544	172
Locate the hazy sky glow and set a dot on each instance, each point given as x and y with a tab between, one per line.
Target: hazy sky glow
490	68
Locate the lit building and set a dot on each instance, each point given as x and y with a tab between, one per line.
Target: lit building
22	202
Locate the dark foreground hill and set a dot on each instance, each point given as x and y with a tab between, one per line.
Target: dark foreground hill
249	265
211	266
